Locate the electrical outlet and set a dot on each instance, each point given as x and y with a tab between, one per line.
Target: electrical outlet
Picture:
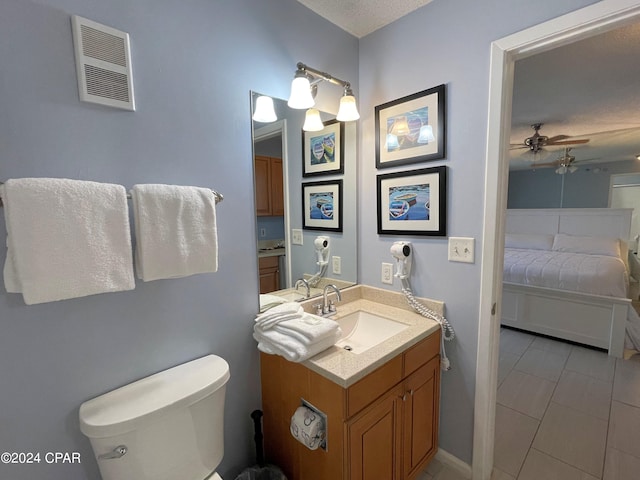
263	232
461	249
337	268
387	273
296	236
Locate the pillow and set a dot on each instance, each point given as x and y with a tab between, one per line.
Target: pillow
533	241
583	244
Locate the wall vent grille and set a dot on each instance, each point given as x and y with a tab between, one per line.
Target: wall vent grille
103	61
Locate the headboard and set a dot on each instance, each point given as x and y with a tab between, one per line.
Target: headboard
595	222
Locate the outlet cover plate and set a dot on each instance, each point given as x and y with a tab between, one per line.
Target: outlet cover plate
296	236
461	249
387	273
336	263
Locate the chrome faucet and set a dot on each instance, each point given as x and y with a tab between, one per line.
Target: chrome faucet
304	283
329	307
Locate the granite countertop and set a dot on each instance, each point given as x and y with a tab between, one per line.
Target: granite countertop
272	252
344	367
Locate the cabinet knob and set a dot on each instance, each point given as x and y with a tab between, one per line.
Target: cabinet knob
411	392
403	397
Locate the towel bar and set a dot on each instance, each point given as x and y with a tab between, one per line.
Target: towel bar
219	196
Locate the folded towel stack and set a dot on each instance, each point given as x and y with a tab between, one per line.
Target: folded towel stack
287	330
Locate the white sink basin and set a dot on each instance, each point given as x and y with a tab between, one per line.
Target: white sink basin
364	330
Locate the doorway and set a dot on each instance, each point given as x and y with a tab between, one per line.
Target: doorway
578	25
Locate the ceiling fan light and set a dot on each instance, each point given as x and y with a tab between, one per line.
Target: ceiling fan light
572	168
265	112
312	121
561	170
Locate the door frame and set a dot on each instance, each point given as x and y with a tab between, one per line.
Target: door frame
586	22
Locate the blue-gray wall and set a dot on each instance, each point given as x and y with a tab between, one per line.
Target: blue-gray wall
194	63
588	187
443	42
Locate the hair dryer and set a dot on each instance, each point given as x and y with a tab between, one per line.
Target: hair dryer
403	253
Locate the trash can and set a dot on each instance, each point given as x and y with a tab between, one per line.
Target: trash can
261	471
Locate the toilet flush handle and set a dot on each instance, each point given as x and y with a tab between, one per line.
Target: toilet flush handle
117	452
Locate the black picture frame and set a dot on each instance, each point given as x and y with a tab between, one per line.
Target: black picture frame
413	202
406	131
323	151
322	205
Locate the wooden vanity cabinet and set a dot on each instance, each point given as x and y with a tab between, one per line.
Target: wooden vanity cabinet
385	426
269	186
269	274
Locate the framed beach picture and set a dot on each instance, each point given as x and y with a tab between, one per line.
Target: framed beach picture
322	205
413	202
322	150
411	129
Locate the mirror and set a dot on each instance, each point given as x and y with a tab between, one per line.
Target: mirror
287	249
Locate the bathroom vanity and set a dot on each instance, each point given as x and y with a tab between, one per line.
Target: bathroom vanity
382	405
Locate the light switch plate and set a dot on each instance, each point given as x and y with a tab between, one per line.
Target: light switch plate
296	236
461	249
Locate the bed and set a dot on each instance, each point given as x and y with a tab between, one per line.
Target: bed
566	274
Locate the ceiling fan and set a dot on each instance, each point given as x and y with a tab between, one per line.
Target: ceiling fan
536	142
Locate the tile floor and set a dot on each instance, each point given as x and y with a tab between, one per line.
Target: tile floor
565	412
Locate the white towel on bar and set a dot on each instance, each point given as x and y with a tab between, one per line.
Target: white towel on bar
66	239
176	233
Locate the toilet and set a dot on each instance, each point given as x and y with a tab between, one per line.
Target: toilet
168	426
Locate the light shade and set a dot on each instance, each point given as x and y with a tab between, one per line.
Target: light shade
426	134
264	112
391	143
301	97
312	121
400	127
347	112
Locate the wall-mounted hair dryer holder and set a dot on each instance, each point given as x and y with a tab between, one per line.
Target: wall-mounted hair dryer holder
403	253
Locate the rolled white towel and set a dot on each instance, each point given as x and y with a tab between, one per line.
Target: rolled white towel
286	346
308	329
285	311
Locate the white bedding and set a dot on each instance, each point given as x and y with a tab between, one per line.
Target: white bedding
578	272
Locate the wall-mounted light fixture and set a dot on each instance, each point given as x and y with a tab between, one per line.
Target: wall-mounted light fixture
638	157
264	113
304	87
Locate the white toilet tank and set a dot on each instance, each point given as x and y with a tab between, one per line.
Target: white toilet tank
168	426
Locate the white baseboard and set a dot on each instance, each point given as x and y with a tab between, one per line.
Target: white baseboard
454	462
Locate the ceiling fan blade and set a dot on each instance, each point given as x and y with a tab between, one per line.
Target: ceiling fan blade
517	146
569	142
545	165
557	138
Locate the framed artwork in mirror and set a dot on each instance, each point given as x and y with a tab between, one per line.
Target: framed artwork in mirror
322	150
411	129
322	205
413	202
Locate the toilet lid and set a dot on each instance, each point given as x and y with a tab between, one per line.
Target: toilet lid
122	410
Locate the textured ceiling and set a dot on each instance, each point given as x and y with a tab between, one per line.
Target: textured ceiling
361	17
588	89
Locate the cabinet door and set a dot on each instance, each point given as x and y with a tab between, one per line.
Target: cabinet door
420	434
373	440
263	185
269	274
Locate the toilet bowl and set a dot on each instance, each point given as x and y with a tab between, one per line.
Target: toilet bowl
168	426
